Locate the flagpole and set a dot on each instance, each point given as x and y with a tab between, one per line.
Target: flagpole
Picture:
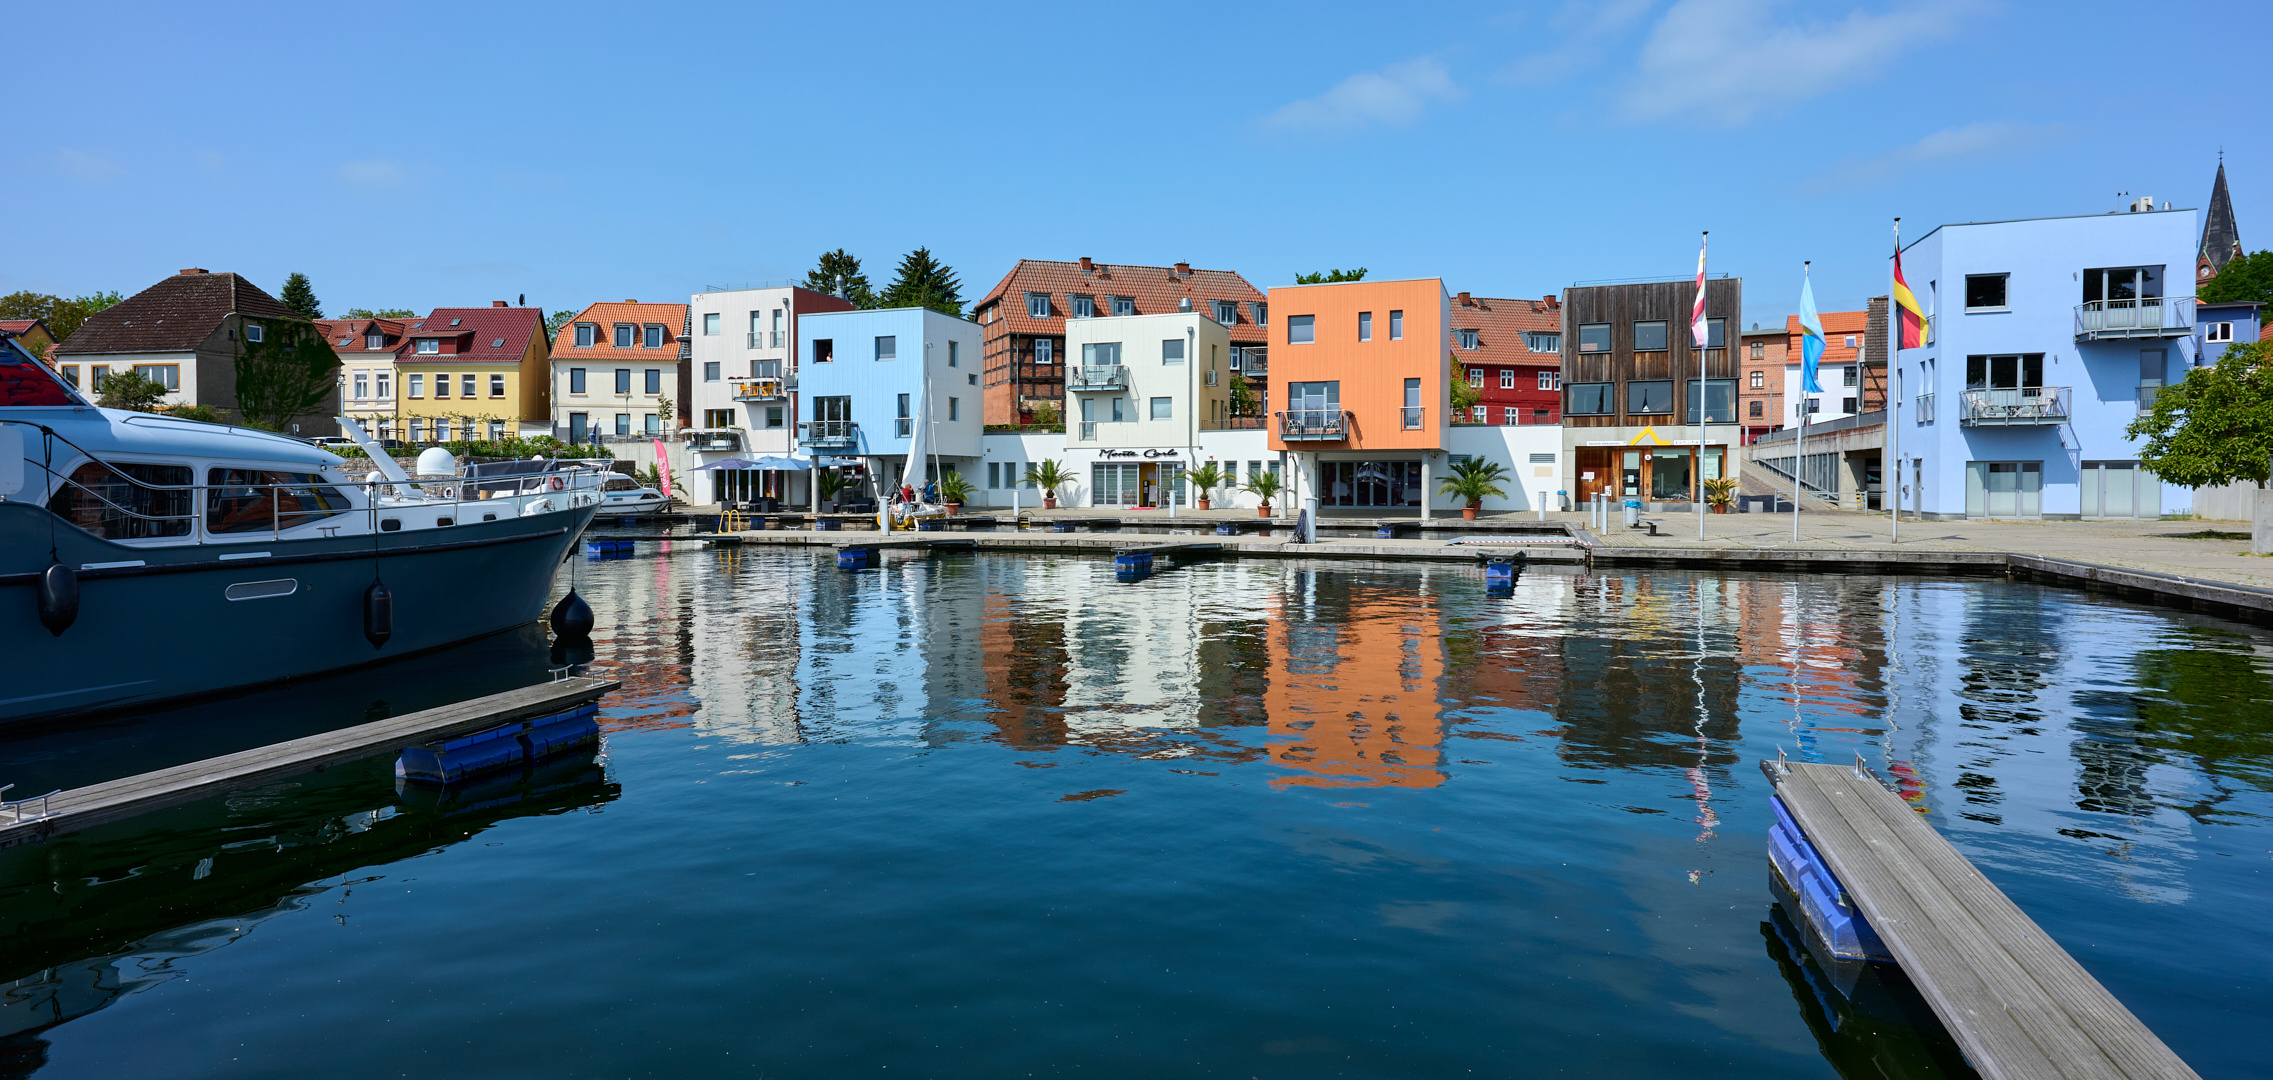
1799	442
1893	391
1698	339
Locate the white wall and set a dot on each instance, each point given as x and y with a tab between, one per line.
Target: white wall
1514	447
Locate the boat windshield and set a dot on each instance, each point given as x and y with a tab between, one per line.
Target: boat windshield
261	500
112	501
622	483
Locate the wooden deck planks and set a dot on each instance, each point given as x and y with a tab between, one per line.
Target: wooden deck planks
112	800
2020	1006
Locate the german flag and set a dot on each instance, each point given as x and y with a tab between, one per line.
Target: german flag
1913	317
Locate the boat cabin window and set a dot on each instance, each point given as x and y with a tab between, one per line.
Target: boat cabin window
261	500
112	501
621	483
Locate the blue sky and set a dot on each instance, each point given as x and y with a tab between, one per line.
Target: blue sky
417	155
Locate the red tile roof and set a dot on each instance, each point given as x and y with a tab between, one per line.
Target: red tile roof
482	334
671	317
347	335
175	315
1500	325
1155	289
17	326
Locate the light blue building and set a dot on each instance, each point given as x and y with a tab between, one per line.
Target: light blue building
2220	326
861	389
2046	335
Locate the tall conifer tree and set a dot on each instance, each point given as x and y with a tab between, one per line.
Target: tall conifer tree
924	281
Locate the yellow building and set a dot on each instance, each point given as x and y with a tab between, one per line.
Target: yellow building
483	368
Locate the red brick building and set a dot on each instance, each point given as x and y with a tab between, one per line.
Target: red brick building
1511	353
1024	319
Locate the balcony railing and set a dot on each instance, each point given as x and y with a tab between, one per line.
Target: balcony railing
1412	417
1103	377
1088	431
840	434
767	339
1254	363
1319	425
2014	406
2149	317
714	439
760	389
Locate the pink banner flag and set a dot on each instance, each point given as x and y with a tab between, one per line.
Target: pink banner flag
1697	334
663	467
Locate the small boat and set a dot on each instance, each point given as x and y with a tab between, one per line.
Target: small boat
145	558
623	496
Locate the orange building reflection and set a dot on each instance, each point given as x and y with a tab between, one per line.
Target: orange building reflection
1356	676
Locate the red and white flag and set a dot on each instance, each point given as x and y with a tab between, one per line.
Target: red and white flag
1697	312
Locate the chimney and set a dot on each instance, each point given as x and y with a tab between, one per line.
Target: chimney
1465	302
1184	304
193	270
1183	269
1553	301
629	300
497	303
1086	265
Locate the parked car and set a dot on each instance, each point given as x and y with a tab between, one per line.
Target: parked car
329	440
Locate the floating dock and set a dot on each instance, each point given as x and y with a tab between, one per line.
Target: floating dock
2018	1005
96	804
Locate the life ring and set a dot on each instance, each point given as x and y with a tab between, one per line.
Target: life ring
556	485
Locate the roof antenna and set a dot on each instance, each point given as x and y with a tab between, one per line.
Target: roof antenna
524	299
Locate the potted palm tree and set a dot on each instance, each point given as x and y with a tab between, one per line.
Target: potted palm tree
1208	477
1049	476
1264	486
1472	481
831	483
954	491
1720	493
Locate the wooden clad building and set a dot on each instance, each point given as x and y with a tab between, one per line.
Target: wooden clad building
1631	392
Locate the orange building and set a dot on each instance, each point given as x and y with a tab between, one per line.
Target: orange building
1361	389
1360	706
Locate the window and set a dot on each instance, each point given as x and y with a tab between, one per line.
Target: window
1847	405
954	408
1163	408
1117	409
466	385
773	416
97	376
2218	331
1467	338
417	385
1172	351
1365	326
994	475
654	380
653	424
1476	377
362	385
166	375
710	371
1037	305
1511	415
717	418
2123	286
624	333
1850	341
1759	379
1720	401
441	431
497	386
1084	307
824	350
887	347
1301	329
1813	405
1550	380
954	354
496	430
418	428
654	337
1650	336
1542	341
1757	409
1759	350
70	373
1594	337
1650	398
623	380
253	331
623	423
105	501
1482	414
429	346
1226	312
575	381
1261	313
2004	372
1716	333
441	385
386	386
1124	305
579	428
1101	354
1985	292
1850	376
1588	399
258	500
587	335
1315	397
710	324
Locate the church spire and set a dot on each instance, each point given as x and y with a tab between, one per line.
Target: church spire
2221	238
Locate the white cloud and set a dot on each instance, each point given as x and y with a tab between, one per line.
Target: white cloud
376	174
1395	95
1984	139
1586	29
1725	61
86	166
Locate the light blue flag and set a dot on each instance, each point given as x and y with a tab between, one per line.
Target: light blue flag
1811	345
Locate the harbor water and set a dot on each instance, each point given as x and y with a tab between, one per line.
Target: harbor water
982	816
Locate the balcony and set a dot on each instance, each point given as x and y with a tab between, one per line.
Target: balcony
1112	377
2149	317
828	434
761	389
1412	417
1252	362
713	439
2006	407
768	339
1314	425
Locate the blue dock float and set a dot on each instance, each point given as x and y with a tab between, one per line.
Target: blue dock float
607	549
931	524
510	746
1501	568
856	558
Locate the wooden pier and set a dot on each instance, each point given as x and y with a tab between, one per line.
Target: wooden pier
96	804
2018	1005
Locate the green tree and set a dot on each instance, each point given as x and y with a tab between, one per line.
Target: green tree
1242	395
839	274
382	313
63	314
1474	480
924	281
1329	277
1049	476
291	370
1206	478
1264	486
300	296
1465	398
2215	426
129	391
2247	278
558	319
194	412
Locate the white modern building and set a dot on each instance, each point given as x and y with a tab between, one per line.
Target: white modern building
743	385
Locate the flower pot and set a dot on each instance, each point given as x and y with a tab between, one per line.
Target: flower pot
1468	512
953	508
1049	502
1720	508
1204	503
1263	511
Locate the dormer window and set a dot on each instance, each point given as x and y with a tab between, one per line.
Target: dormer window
374	341
587	335
429	346
1467	338
623	335
1037	305
1084	307
1542	341
1124	305
1226	312
1260	312
654	336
